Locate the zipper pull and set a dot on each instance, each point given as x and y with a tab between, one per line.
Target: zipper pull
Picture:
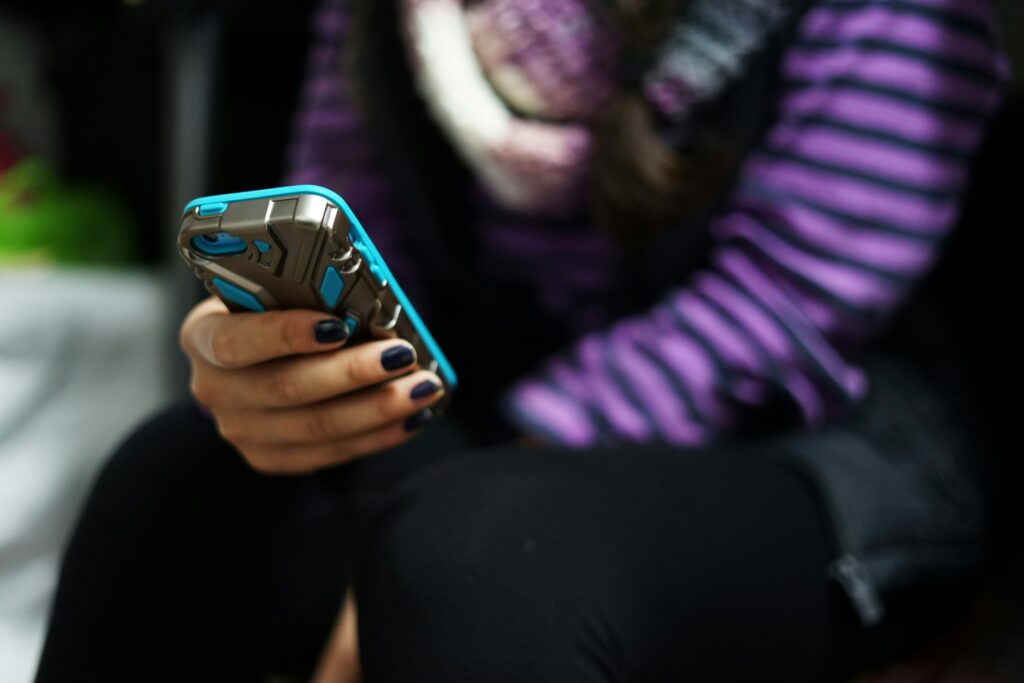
853	577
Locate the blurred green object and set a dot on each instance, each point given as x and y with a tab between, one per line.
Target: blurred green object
43	220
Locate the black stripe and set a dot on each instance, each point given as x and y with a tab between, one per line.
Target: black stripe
894	139
938	194
943	17
757	189
950	65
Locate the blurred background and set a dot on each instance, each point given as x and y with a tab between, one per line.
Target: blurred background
112	116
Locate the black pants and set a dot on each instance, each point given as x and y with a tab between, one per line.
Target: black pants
508	564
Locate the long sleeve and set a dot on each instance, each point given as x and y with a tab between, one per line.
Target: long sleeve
837	213
332	146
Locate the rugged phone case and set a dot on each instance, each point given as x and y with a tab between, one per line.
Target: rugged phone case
302	247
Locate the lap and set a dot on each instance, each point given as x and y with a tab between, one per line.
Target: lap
652	563
643	563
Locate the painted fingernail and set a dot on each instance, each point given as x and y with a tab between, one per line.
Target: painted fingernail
330	331
423	389
397	357
419	419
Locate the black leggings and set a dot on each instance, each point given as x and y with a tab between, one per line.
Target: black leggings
508	564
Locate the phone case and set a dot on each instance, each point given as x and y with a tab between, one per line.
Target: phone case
302	247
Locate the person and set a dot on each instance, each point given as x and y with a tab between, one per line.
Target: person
672	248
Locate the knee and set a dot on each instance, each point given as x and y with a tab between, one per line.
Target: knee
478	526
170	457
466	574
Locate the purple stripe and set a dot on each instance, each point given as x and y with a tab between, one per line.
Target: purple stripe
340	119
657	396
369	191
775	343
823	314
875	248
306	174
753	279
322	91
750	391
866	155
734	349
562	419
324	59
807	397
854	196
760	327
890	70
693	369
332	19
845	282
608	396
882	113
569	380
824	23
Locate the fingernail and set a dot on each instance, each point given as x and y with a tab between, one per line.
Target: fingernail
423	389
419	419
397	357
330	331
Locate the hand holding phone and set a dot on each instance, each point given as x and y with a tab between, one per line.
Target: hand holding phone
291	399
302	247
288	388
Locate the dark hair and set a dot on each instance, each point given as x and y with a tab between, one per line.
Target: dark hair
641	185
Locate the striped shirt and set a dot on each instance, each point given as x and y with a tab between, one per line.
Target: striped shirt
837	213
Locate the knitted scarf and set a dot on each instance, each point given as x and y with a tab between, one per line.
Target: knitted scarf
517	84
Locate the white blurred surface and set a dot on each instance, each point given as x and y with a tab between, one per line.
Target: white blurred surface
82	360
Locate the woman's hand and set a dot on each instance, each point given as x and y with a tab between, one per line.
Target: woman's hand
287	396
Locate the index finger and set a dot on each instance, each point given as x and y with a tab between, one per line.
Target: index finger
237	340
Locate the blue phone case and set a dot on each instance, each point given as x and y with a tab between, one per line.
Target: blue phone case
301	246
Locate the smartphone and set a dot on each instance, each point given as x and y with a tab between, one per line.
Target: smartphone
302	247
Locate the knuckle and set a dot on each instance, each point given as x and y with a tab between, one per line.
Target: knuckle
361	370
318	426
284	389
224	347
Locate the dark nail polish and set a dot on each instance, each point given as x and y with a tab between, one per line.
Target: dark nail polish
330	331
397	357
419	419
423	389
